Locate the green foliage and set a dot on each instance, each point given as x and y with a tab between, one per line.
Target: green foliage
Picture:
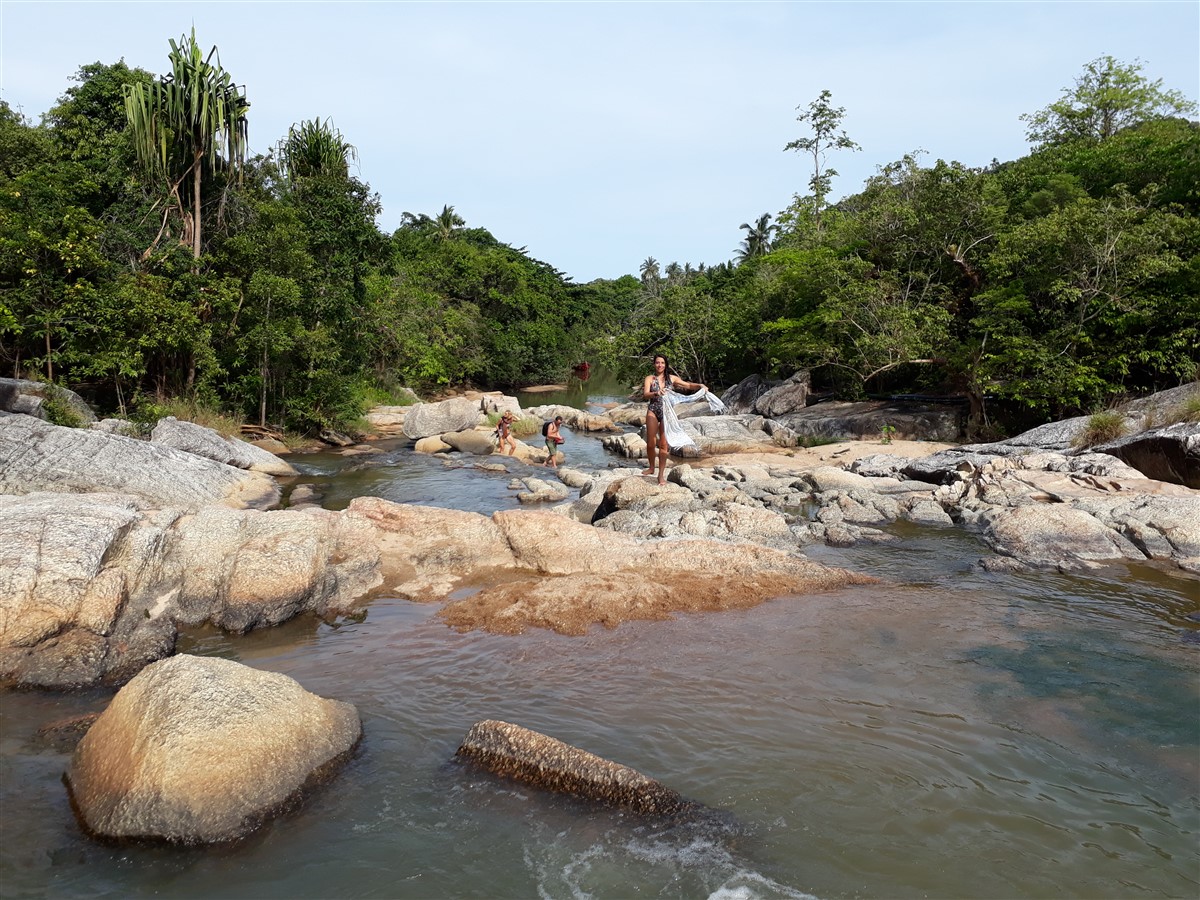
1101	428
1106	98
886	431
58	411
315	148
1038	287
188	123
1187	411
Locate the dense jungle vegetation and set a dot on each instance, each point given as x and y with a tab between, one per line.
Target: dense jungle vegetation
145	254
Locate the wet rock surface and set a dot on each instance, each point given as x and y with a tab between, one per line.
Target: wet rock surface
510	751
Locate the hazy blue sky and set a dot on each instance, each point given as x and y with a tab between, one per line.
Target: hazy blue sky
599	133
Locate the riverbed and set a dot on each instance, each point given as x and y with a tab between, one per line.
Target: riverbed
946	733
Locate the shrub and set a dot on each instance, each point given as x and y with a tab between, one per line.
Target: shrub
58	411
1187	411
1101	428
149	412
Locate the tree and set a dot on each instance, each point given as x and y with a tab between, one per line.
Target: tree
447	222
316	148
650	274
827	134
189	120
758	238
1107	97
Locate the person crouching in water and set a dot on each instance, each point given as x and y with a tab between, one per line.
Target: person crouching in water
654	388
553	439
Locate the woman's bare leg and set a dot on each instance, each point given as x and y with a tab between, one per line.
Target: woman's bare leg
651	441
663	452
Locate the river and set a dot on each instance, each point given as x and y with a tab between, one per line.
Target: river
948	733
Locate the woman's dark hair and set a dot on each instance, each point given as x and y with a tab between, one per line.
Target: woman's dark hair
668	370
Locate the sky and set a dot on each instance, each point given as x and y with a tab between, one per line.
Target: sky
597	134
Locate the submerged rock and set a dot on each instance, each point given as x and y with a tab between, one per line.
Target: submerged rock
511	751
202	750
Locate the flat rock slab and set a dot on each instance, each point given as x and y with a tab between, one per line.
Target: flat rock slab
511	751
38	456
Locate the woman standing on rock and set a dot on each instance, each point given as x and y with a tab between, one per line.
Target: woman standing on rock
655	389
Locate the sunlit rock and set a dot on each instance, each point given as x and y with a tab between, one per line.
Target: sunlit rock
202	750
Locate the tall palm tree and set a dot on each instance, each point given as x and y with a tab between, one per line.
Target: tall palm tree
758	238
446	222
189	121
316	148
650	274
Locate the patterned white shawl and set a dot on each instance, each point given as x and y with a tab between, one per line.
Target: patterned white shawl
676	436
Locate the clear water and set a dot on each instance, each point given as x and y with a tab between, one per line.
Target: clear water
948	733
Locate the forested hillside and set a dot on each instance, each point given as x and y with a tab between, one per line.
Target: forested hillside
146	254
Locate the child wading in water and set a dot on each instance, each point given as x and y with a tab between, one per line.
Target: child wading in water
504	430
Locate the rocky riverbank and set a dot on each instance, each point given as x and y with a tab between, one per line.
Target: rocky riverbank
110	544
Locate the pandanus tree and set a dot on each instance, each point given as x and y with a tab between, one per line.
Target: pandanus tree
316	148
185	126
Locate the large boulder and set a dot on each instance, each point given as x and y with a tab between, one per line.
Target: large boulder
192	438
864	421
741	398
18	395
477	443
427	419
93	588
789	397
1170	453
520	754
38	456
202	750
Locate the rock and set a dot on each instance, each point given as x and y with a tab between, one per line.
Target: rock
539	491
335	438
495	403
1054	535
577	419
789	397
741	398
203	750
517	753
831	478
630	446
18	395
1170	453
37	456
192	438
927	512
272	445
878	465
428	419
864	421
92	588
122	427
432	444
609	578
387	419
474	441
247	569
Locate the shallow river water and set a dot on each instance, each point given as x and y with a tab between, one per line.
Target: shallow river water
947	733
